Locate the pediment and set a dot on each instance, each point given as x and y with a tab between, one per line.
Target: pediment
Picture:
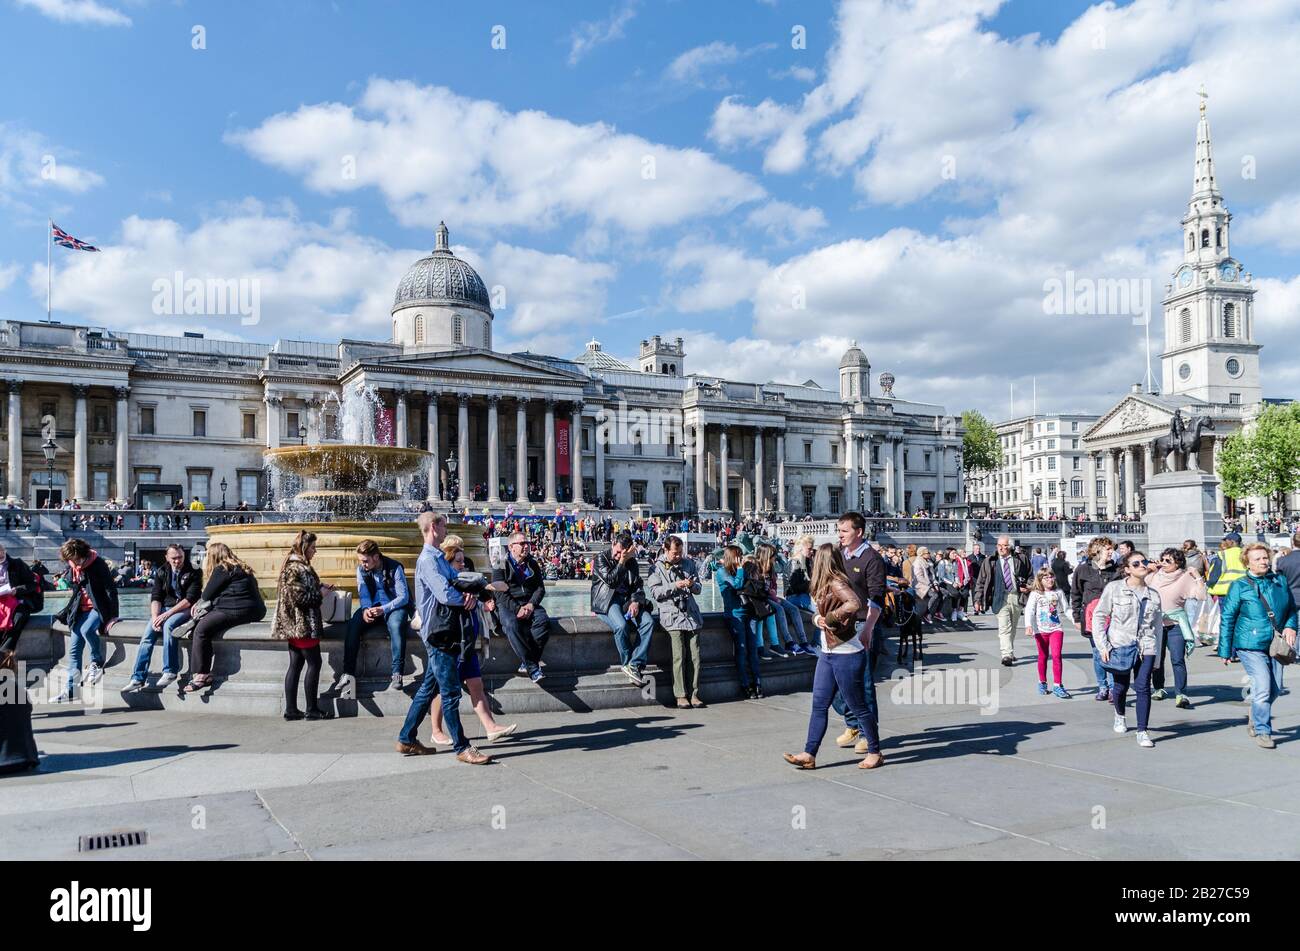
475	363
1133	415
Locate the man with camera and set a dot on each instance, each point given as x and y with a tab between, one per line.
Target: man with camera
519	608
441	610
618	596
674	583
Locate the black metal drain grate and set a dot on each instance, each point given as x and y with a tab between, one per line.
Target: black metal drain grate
112	840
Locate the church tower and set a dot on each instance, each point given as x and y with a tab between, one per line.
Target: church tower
1210	351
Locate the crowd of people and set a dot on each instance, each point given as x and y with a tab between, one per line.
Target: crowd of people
1142	618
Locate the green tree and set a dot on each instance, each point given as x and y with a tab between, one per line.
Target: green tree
1266	460
981	449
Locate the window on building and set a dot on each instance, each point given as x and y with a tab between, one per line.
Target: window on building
1234	399
609	492
250	488
1051	444
1077	463
672	493
199	483
250	426
1229	320
807	452
638	491
457	332
147	476
672	446
905	462
1185	325
1205	237
927	462
1051	489
200	422
99	485
332	430
835	501
835	453
927	500
146	421
1076	487
291	425
1101	488
877	500
586	441
809	499
875	455
1051	427
1074	426
419	328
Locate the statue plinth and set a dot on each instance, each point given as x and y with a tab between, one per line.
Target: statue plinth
1181	505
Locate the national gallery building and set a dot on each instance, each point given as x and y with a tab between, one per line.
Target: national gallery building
93	415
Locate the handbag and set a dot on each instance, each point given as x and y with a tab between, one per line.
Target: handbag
336	608
1123	659
201	607
1278	648
1207	621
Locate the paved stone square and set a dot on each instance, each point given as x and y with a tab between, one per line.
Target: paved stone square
1037	778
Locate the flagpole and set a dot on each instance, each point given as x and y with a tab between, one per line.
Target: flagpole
49	244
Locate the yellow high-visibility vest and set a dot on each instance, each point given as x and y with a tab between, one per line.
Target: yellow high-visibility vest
1233	568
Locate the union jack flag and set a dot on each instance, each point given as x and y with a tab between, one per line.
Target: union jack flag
65	240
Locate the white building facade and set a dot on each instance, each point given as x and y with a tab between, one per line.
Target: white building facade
124	410
1045	471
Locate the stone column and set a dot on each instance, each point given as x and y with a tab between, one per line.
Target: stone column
891	488
760	495
494	452
273	419
941	479
123	473
850	473
399	424
701	464
434	493
900	497
1112	483
462	450
80	450
1130	478
550	453
600	453
780	472
722	469
1217	447
1090	490
575	454
1148	462
17	491
521	451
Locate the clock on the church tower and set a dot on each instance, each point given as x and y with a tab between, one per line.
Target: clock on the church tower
1185	277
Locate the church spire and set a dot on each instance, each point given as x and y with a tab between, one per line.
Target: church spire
1204	184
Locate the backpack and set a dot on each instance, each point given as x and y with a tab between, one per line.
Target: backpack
1216	570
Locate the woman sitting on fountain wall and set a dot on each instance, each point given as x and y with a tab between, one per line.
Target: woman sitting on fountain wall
233	599
298	621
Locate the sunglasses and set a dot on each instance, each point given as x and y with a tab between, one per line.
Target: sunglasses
1140	563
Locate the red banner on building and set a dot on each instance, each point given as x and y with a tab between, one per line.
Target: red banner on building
562	447
386	426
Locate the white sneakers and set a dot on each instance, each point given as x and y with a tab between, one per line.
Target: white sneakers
94	674
347	687
1144	741
165	681
1120	725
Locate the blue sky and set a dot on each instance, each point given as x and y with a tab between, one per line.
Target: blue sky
1069	129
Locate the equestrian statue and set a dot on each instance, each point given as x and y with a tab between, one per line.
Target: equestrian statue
1184	440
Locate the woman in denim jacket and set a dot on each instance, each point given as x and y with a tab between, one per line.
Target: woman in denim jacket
1246	627
1129	613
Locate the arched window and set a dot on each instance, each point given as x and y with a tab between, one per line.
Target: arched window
1191	241
1229	320
419	328
1218	237
1185	326
456	330
1205	237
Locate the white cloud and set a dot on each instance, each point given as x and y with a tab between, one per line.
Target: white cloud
1278	224
724	276
592	33
552	294
7	274
690	66
498	168
78	11
30	163
760	360
786	222
803	74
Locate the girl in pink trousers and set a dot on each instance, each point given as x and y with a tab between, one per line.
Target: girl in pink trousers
1046	607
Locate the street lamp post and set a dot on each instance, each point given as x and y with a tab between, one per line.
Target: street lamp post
863	477
452	485
1063	485
49	449
224	485
1038	494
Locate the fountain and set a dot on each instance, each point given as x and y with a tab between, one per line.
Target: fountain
345	484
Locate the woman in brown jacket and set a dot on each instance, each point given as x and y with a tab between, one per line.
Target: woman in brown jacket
841	662
298	621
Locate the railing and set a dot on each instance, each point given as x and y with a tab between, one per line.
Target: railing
961	528
65	521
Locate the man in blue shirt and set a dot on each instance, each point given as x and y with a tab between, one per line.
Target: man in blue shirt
441	608
386	600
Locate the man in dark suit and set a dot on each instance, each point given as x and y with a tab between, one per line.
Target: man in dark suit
1003	587
519	609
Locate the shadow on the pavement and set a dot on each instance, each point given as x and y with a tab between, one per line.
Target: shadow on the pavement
593	737
1217	693
962	739
68	762
80	728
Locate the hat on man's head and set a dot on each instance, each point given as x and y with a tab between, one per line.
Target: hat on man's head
1233	537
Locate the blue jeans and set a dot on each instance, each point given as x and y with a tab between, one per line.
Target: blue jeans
1175	649
84	630
616	618
441	676
842	676
801	601
1141	678
868	687
765	632
1265	684
394	621
1104	679
742	634
171	647
787	620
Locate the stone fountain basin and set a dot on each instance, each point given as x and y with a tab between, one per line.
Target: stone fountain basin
345	466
